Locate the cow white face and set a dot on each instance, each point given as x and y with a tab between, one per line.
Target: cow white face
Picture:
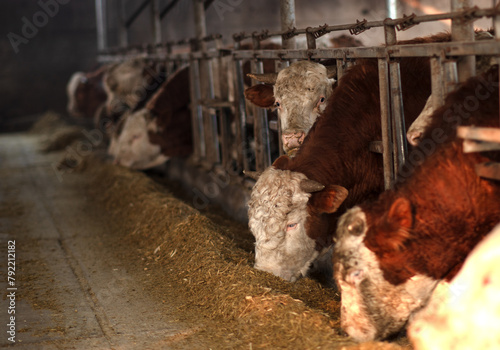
133	148
277	215
464	314
299	95
283	207
371	307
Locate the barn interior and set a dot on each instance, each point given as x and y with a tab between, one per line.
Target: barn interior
108	257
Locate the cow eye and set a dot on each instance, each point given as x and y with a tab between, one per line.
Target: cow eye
277	104
322	100
356	227
291	226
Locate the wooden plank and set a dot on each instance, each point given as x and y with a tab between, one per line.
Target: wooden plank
489	170
479	134
471	146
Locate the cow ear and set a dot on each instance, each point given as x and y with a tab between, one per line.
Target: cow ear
329	200
261	95
400	217
281	162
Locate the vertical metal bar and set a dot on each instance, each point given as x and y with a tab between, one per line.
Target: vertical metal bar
311	41
398	121
437	82
196	112
156	22
340	69
240	117
383	72
392	10
463	30
123	32
101	24
278	66
450	79
287	11
261	129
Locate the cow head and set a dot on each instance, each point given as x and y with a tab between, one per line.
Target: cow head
286	214
127	84
131	146
372	305
299	94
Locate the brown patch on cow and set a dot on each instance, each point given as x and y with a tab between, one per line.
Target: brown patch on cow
453	208
281	162
261	95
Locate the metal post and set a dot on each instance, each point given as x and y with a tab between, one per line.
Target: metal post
260	124
392	11
287	10
199	150
383	73
101	24
240	115
463	30
156	22
211	141
122	30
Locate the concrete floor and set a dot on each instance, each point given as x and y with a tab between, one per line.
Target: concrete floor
73	291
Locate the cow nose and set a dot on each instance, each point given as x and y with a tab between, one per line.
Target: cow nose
292	140
414	138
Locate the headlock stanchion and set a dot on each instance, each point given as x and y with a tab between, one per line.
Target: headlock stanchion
230	134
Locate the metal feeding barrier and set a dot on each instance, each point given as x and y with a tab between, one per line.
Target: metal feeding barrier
222	124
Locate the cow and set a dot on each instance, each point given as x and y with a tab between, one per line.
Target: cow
293	221
483	63
162	129
466	313
390	253
129	85
299	94
86	93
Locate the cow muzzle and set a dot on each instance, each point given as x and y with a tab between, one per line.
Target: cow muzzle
292	142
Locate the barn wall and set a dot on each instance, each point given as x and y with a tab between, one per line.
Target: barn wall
33	79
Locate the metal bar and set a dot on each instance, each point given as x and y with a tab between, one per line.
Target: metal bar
136	13
479	134
462	29
156	22
168	8
287	12
392	10
240	117
400	146
437	83
383	72
101	24
488	170
122	29
472	14
196	112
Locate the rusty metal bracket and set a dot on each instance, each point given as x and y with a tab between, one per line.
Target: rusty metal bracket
261	36
289	34
319	31
239	36
359	27
469	14
406	22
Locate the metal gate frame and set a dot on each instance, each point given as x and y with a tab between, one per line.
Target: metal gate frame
211	103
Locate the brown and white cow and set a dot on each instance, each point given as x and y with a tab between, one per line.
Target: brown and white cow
162	129
292	221
464	314
299	94
391	253
129	85
86	93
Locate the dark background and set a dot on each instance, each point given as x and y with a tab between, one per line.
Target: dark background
34	79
